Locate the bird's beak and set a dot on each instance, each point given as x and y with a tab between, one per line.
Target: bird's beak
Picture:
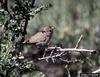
53	27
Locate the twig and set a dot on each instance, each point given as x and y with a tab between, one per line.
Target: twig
70	49
39	9
63	50
70	61
78	42
53	56
96	71
77	45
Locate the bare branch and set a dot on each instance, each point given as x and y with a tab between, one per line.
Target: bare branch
53	56
78	42
71	61
63	51
70	49
96	71
39	9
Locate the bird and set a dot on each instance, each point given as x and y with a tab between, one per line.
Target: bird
38	42
42	37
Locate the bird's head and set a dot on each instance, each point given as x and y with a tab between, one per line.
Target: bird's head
48	29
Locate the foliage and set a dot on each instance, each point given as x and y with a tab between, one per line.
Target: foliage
15	23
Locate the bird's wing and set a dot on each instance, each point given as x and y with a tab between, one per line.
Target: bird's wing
39	37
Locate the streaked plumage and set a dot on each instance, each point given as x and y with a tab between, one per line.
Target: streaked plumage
43	36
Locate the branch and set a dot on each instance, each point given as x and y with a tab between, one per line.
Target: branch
96	71
39	9
63	51
78	42
71	61
53	56
70	49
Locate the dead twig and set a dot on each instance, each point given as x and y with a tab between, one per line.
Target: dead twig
78	42
63	50
70	49
71	61
50	57
96	71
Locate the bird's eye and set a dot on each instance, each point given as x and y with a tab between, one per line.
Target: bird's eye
43	31
50	30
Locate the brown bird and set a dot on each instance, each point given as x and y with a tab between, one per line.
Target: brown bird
42	37
39	41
